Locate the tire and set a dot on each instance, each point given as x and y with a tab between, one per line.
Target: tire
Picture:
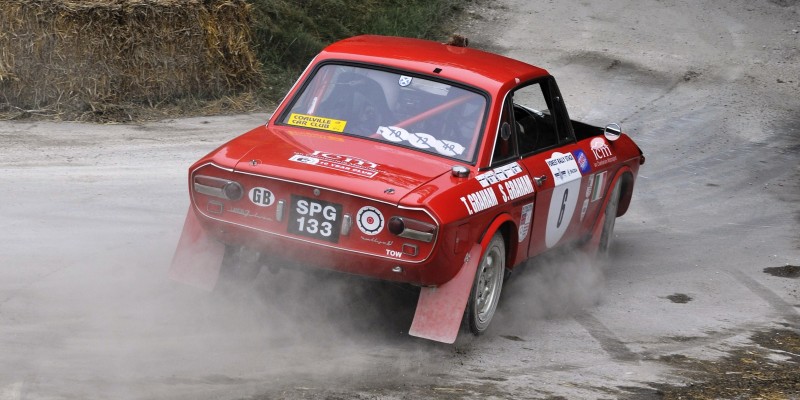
611	218
485	293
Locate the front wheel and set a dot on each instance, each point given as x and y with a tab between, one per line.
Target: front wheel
485	292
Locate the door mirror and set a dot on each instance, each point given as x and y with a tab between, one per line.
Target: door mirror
612	132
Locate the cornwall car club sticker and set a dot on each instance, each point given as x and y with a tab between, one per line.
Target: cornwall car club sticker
310	121
261	197
339	162
370	220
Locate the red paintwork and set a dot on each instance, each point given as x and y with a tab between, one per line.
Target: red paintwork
403	182
198	257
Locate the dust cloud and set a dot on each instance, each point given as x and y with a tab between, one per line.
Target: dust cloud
554	285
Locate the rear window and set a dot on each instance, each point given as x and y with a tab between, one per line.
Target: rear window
404	110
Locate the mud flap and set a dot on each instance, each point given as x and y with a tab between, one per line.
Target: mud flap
441	309
198	258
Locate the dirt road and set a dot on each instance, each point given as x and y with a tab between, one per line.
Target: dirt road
703	266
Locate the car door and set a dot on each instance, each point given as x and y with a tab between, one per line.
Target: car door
551	156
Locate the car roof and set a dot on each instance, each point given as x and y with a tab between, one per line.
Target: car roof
471	66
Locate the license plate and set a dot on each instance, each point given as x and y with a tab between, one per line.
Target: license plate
315	218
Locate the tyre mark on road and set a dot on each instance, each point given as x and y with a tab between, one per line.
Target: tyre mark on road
615	347
786	310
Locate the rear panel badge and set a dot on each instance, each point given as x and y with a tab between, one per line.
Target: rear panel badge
261	197
370	220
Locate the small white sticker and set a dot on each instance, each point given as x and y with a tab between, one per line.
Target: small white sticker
304	159
584	208
525	221
370	220
404	81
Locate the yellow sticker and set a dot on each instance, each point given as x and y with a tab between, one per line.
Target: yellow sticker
311	121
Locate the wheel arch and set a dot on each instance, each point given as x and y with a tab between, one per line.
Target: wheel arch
504	224
626	191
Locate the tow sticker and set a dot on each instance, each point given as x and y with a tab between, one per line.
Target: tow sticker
370	220
310	121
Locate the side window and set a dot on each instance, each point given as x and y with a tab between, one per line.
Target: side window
538	122
505	146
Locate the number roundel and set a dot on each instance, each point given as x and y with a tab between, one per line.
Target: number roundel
370	220
562	207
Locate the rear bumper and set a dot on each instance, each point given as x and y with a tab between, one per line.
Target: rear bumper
286	252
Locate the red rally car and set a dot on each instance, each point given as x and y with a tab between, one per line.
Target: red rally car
411	161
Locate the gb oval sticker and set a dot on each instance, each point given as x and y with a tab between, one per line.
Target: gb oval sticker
261	197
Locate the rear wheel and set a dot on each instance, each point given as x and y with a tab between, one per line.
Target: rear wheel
611	218
485	292
240	267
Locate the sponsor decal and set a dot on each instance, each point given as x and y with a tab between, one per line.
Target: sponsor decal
583	162
404	81
339	162
421	140
525	221
370	220
600	148
499	174
602	152
261	197
310	121
480	200
563	167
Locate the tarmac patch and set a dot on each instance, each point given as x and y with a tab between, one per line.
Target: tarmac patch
679	298
786	271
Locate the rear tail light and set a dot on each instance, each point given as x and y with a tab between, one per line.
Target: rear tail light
412	229
217	187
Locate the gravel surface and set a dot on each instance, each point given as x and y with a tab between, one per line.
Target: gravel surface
701	284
